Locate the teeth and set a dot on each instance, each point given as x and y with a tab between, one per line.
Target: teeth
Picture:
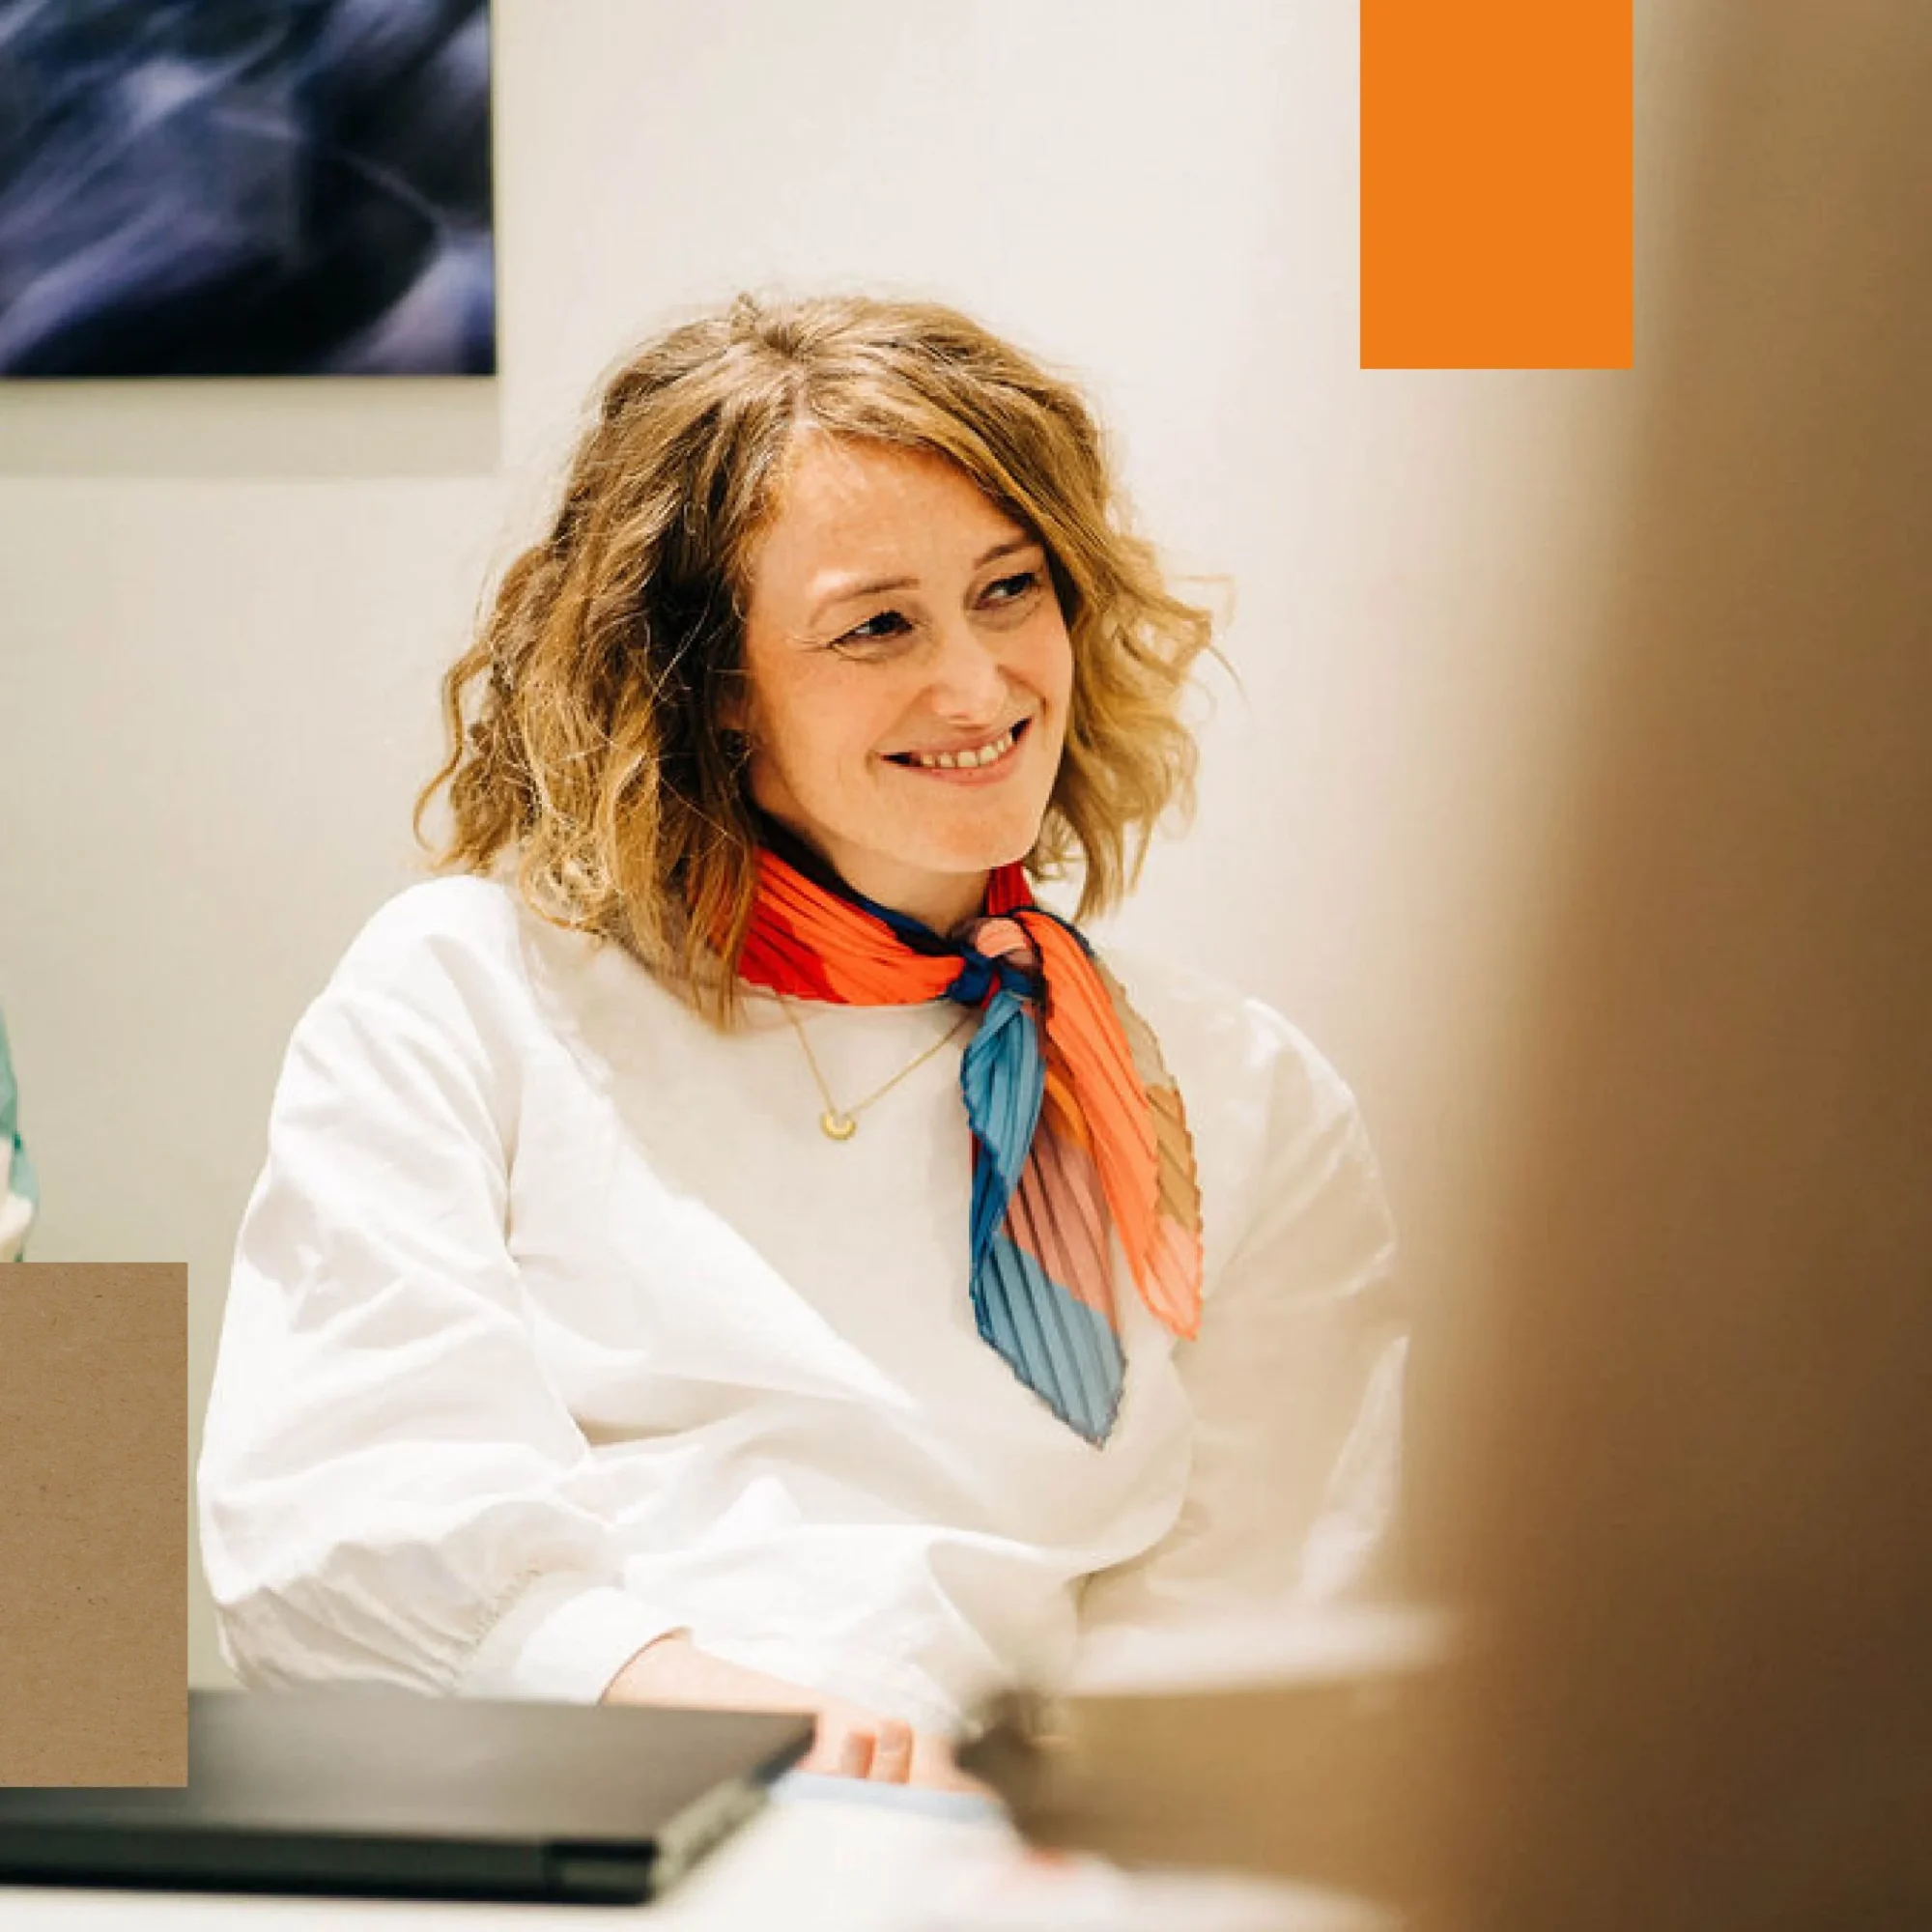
952	761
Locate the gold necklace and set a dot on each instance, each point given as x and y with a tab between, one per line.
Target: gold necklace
841	1124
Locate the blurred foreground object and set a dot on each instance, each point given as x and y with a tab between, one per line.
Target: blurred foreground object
1681	1485
1301	1749
1695	1507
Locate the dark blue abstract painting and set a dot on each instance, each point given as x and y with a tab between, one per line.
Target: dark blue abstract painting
246	187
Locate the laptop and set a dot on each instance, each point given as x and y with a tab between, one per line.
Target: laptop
353	1789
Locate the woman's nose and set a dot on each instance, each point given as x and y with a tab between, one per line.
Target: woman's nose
969	680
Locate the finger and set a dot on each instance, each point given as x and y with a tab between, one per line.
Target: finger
828	1741
891	1752
855	1754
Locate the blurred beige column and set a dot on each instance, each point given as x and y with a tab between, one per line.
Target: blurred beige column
1694	1492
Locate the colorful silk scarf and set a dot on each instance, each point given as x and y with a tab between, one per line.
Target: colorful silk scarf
1078	1129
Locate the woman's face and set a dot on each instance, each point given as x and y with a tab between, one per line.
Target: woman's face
898	617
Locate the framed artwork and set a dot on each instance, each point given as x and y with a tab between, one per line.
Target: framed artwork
246	187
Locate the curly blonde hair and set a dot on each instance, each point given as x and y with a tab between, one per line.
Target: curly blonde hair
583	723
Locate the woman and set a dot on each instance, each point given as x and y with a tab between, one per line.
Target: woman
721	1242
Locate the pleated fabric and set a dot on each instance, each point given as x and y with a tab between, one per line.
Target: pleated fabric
1080	1140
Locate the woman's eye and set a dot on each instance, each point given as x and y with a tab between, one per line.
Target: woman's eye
887	624
1009	589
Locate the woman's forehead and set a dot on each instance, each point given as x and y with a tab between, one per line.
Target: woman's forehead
838	477
848	505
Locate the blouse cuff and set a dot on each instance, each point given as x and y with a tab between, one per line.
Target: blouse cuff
562	1641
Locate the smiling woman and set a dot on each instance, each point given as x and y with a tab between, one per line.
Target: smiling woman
726	1242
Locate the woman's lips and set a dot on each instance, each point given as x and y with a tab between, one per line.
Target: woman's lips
969	775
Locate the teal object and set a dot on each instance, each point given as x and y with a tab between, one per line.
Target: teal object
21	1180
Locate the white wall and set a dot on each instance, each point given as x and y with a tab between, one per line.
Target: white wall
225	606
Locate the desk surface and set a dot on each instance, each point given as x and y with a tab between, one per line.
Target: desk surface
825	1856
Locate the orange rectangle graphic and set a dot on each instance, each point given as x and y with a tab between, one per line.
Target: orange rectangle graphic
1496	184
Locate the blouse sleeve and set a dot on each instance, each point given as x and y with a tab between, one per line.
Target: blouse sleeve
390	1487
1295	1381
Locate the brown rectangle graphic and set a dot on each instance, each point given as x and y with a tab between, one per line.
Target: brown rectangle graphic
93	1523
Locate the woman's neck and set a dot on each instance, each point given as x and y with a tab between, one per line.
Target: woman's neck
949	900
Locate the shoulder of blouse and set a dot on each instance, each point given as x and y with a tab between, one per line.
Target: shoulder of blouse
459	913
463	956
443	965
465	932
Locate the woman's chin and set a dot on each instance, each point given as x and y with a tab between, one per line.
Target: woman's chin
994	847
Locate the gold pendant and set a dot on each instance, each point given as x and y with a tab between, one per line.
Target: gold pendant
838	1126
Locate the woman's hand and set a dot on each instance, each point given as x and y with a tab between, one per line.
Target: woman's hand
851	1741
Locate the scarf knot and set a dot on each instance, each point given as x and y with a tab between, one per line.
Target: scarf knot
995	953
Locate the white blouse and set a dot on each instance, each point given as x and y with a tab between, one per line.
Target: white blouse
556	1324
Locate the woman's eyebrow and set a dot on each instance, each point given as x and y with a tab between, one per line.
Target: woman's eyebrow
874	586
